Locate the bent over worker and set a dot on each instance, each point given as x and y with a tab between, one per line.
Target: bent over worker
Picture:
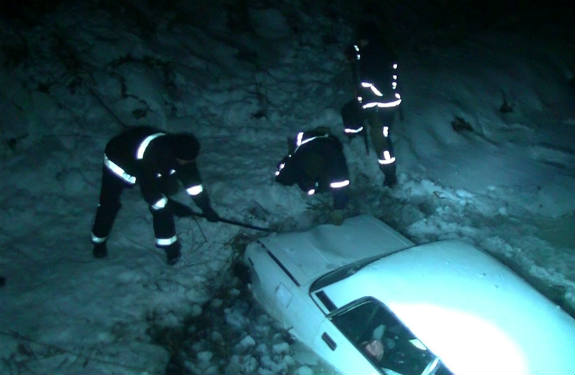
316	163
156	161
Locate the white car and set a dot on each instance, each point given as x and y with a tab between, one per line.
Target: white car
368	301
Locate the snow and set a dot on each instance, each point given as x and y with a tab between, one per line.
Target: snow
75	77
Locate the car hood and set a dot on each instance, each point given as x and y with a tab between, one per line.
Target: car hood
468	308
310	254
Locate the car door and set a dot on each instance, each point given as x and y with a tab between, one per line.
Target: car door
366	322
336	349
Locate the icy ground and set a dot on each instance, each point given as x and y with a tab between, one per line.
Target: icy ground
502	180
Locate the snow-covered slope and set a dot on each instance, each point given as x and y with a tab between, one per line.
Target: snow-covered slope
243	79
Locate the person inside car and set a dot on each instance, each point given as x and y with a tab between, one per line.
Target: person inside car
374	348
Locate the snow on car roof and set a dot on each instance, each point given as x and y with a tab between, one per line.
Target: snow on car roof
310	254
468	308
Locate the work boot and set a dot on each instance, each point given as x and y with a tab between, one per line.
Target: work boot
336	217
100	250
390	180
173	253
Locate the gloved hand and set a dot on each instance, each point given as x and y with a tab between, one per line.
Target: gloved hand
210	214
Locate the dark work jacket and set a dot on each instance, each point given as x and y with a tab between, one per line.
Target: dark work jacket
375	64
157	172
316	162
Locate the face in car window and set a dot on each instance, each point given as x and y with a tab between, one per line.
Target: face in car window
383	339
374	348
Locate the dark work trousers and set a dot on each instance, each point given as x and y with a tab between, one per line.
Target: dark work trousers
109	205
340	198
380	122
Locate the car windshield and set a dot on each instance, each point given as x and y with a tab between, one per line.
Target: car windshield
383	339
342	272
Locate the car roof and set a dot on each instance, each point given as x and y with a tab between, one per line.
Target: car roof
468	308
312	253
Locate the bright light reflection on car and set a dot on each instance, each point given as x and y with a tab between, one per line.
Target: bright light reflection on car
369	301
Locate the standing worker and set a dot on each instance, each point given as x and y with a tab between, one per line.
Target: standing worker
375	72
155	160
316	163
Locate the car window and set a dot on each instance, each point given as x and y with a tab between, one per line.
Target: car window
341	273
384	340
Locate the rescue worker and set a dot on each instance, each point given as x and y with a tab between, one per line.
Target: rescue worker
375	71
155	160
316	163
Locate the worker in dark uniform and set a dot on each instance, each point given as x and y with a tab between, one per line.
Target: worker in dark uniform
377	101
155	160
316	163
